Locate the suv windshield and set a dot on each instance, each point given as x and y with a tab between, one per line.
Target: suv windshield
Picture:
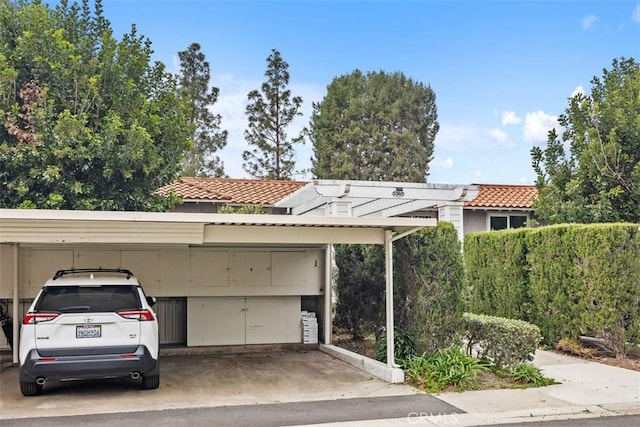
81	299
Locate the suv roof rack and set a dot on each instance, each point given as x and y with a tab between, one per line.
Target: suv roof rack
61	273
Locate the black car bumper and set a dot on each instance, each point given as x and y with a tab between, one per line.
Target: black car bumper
79	364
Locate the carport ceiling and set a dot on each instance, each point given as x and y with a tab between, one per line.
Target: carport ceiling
37	226
374	199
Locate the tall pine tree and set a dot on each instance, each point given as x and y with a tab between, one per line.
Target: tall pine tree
270	112
208	138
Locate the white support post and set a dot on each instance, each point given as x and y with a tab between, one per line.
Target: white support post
16	302
388	253
453	212
328	295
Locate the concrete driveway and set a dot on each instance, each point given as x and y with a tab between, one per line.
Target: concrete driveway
203	380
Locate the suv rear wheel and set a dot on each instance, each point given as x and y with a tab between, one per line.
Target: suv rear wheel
30	389
150	381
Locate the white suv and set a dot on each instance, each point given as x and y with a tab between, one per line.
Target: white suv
87	324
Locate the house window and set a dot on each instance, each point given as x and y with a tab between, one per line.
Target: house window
501	222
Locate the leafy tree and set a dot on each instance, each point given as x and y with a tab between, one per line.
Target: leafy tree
87	121
194	79
375	126
598	179
270	112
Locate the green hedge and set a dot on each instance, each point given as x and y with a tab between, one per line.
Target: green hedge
553	289
506	342
496	268
570	280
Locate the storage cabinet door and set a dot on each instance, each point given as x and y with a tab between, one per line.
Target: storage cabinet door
289	269
273	320
208	268
216	321
251	269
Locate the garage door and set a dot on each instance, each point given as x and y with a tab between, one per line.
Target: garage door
243	320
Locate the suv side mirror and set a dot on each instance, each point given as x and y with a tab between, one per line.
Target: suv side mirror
151	301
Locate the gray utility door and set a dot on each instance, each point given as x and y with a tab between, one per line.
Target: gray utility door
243	320
172	320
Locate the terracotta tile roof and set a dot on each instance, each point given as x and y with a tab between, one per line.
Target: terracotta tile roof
268	192
504	196
229	190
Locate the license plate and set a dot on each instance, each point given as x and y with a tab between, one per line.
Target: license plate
88	331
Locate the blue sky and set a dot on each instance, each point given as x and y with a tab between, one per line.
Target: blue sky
502	71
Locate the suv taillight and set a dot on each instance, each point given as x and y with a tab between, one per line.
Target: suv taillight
142	315
33	318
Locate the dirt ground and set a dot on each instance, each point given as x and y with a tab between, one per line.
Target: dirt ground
627	363
365	347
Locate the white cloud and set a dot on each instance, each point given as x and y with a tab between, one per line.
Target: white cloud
510	118
577	90
635	15
231	105
499	135
589	21
465	137
537	126
232	101
446	163
524	180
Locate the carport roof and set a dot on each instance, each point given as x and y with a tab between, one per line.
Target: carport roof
374	199
60	226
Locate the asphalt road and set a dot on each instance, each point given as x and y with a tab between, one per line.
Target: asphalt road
288	414
620	421
281	414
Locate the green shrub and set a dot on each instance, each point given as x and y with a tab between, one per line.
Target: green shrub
360	289
506	342
404	347
428	287
429	283
244	209
443	368
528	374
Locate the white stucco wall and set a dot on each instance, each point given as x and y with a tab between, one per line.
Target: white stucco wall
475	221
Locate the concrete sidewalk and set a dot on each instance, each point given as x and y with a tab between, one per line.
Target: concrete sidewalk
586	390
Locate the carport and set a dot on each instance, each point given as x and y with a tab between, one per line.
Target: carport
202	240
229	265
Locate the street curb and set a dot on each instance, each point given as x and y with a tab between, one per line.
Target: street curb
483	418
